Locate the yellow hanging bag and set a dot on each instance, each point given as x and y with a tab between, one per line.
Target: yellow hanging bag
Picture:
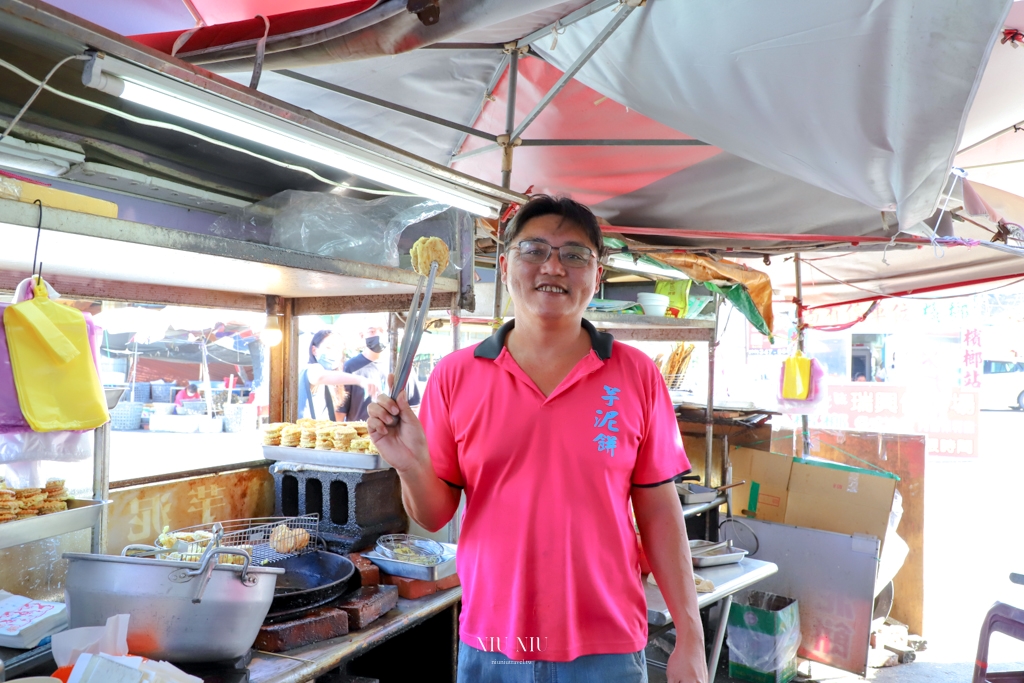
51	359
796	378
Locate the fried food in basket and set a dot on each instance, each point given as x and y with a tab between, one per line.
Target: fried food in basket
425	251
168	540
284	539
678	361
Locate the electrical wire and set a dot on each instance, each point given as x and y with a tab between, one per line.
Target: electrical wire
170	126
39	89
882	295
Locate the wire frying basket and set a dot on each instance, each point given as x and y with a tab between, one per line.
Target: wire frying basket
271	539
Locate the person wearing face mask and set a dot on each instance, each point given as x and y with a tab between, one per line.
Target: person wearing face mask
552	430
366	364
315	400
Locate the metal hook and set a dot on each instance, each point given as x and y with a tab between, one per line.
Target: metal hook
39	233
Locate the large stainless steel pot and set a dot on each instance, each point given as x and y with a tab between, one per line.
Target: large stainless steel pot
180	612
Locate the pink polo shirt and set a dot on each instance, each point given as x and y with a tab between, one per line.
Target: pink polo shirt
547	554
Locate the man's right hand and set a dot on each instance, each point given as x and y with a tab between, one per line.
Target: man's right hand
371	389
403	446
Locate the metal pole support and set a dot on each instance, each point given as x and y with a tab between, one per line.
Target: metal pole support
100	485
709	415
805	434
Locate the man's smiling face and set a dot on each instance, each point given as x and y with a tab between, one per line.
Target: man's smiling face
550	289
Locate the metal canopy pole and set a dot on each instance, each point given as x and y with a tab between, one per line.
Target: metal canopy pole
568	20
584	142
639	142
506	169
709	413
488	91
804	428
599	40
408	111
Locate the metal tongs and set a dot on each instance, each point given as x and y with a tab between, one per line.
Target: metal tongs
413	331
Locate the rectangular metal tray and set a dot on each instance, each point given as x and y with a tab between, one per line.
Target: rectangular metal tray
717	557
81	514
411	570
690	497
310	456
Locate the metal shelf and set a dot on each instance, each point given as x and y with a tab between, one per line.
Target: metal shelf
81	514
79	245
652	328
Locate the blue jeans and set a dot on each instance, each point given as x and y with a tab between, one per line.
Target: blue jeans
477	666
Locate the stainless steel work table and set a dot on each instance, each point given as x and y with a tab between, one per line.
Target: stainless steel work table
306	663
728	579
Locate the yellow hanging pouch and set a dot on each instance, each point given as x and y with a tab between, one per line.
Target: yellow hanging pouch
796	379
51	360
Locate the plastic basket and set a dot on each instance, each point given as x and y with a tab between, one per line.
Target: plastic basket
193	407
163	393
240	417
127	416
138	393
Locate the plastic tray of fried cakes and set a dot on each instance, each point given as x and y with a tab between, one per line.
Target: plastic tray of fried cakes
322	442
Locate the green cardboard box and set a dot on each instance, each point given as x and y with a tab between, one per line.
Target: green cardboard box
763	637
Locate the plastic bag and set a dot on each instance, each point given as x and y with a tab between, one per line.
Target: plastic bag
54	372
60	446
11	418
678	293
796	377
815	390
336	226
764	633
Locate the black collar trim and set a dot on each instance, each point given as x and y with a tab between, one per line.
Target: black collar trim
492	346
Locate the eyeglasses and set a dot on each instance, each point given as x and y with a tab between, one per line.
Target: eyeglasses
571	255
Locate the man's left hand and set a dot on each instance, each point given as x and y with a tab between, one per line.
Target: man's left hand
684	666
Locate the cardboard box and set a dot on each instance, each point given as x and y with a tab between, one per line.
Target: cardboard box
832	497
765	494
763	636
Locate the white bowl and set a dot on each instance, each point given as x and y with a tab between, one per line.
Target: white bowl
658	310
651	298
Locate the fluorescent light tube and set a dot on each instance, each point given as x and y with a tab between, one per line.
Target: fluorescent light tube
131	84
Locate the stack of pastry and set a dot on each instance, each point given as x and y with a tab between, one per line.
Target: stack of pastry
308	438
56	497
9	506
323	435
272	433
343	436
360	427
363	445
291	436
31	502
325	438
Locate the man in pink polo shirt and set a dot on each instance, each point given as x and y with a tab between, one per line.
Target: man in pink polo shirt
551	428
